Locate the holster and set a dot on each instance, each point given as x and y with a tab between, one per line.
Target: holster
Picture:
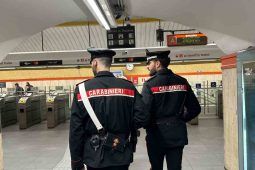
115	142
96	141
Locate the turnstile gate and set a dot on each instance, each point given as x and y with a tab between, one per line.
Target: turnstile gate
43	106
29	111
57	109
8	107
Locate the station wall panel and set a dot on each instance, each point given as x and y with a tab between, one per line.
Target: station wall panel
202	73
230	119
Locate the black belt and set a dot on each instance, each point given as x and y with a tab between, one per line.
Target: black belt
122	135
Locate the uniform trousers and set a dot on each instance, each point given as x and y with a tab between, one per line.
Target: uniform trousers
157	152
123	167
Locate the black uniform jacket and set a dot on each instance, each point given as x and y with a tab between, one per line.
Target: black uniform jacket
119	108
167	95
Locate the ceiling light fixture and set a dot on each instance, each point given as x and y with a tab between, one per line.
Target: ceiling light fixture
94	8
108	12
102	13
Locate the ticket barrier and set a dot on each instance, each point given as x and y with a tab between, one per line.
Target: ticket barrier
29	111
57	109
8	109
67	108
1	105
219	105
43	106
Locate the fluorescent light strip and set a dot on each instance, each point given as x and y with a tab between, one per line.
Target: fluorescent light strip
211	44
92	5
245	161
108	13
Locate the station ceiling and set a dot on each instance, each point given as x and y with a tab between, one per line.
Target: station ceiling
228	23
80	36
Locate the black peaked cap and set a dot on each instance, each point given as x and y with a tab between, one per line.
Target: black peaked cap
99	53
157	54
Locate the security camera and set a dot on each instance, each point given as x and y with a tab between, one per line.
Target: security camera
117	16
124	53
127	20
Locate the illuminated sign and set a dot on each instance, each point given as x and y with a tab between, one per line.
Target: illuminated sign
186	39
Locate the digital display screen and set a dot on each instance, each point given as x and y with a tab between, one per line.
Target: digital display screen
121	37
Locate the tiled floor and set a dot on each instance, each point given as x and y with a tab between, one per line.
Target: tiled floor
38	148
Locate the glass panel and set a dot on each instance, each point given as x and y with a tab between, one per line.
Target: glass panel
249	114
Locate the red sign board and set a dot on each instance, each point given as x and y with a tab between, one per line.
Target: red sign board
135	80
186	39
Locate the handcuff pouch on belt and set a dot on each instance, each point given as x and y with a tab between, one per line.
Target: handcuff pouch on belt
108	141
115	142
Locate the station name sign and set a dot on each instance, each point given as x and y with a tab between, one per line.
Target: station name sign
186	39
121	37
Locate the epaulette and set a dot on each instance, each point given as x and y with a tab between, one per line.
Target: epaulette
152	77
82	82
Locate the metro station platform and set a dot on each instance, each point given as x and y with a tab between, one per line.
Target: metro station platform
39	148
